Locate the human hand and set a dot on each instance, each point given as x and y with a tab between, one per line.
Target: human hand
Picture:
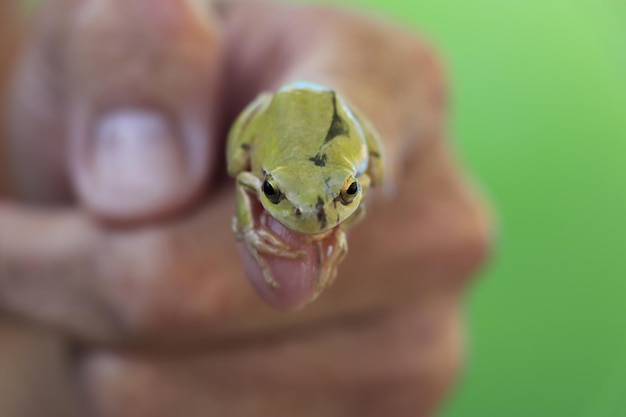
388	329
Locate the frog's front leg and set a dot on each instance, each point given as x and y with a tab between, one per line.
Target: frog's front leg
329	262
258	239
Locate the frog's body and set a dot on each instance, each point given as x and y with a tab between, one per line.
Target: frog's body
306	156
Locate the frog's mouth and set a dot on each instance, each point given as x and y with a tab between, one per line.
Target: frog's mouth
299	280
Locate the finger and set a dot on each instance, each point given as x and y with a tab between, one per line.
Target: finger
60	268
184	282
136	114
388	74
417	353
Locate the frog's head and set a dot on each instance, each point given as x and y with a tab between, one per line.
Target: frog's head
329	197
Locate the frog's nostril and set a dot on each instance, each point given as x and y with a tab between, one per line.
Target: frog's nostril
298	212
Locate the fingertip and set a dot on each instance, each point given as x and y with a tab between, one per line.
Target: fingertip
142	108
297	281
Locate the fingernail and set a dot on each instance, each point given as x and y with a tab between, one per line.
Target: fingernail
138	158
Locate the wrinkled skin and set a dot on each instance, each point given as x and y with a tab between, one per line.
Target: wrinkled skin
135	267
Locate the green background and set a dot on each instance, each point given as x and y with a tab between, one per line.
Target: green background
539	115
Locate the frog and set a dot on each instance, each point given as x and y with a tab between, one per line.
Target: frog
308	157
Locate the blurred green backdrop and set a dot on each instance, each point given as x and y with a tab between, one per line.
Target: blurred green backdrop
539	116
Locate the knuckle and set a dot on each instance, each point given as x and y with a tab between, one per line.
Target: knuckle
471	243
452	229
461	239
476	242
426	360
437	356
429	93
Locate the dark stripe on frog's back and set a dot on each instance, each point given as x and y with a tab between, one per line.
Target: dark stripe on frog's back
344	145
338	125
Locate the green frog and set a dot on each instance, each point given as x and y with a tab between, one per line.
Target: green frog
308	158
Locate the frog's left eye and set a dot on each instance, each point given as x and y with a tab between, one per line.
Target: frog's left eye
271	191
349	190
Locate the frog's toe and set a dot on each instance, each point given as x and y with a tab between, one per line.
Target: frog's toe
237	230
261	241
283	253
278	247
269	279
272	240
327	275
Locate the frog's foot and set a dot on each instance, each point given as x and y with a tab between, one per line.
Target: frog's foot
329	262
265	270
267	243
263	242
271	244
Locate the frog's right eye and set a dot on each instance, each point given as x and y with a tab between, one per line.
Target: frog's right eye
349	191
271	191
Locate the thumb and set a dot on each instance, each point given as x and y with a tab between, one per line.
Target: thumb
141	78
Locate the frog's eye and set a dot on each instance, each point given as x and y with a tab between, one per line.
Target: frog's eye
349	190
271	191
